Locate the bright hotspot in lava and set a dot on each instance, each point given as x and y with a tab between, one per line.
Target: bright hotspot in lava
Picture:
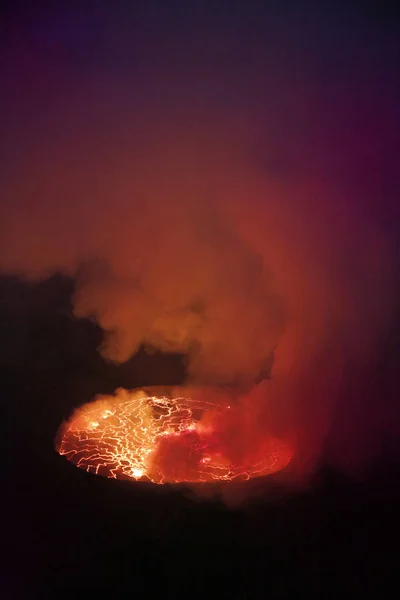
162	439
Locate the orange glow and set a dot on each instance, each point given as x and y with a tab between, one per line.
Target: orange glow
163	439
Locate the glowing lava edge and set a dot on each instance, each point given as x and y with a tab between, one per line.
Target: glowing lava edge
162	439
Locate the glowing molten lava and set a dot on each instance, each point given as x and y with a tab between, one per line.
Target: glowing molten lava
163	439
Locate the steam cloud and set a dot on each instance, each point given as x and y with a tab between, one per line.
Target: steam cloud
217	195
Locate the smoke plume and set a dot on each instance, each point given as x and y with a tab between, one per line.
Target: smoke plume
213	191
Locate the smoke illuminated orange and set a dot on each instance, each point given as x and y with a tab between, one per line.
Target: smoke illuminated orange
163	439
